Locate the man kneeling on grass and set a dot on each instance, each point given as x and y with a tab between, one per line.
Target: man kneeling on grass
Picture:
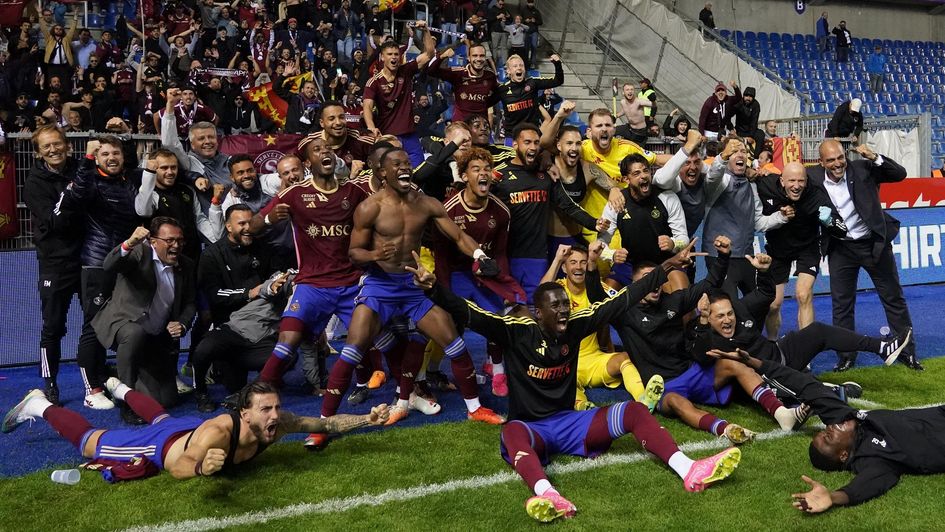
187	446
878	446
541	364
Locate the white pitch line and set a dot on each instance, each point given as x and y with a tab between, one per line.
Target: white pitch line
864	403
398	495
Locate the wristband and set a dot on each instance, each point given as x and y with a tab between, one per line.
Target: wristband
266	220
198	469
479	253
216	201
124	246
607	254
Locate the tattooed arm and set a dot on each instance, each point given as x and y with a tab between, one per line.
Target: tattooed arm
337	424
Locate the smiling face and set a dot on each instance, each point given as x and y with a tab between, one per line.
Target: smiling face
569	146
110	159
575	267
738	162
168	244
166	171
794	181
244	175
290	170
478	178
720	94
396	171
526	147
479	130
477	58
638	181
333	121
204	141
771	128
52	148
237	227
629	92
833	159
722	318
262	416
552	309
836	440
601	127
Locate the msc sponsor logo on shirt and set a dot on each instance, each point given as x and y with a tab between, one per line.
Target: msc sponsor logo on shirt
316	231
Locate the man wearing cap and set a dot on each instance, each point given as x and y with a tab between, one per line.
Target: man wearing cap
847	120
647	93
717	109
746	113
844	41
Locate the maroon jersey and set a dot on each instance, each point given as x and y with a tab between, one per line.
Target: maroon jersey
356	147
188	117
322	221
393	101
363	181
489	227
474	94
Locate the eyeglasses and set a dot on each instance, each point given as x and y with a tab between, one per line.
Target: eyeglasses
172	241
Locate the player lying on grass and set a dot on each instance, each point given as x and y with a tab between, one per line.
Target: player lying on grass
187	446
878	446
541	354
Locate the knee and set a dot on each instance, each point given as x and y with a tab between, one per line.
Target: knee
670	402
776	305
804	296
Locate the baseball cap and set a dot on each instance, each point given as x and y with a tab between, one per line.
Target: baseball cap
855	105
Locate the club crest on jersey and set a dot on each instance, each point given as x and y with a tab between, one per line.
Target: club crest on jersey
491	223
749	324
670	314
294	307
564	350
655	213
345	204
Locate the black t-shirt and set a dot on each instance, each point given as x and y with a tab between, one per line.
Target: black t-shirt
521	100
640	224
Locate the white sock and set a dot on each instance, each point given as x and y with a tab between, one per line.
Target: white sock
360	384
402	403
472	404
36	406
498	368
681	464
542	486
785	417
397	390
120	391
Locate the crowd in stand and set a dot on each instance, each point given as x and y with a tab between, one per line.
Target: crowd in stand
552	236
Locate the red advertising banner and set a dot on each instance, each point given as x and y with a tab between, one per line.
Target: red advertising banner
266	150
11	11
9	226
913	192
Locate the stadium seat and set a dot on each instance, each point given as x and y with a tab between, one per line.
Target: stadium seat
751	36
726	34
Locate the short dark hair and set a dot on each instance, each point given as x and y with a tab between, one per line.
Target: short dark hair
545	288
251	390
111	140
329	103
600	111
236	159
580	248
469	119
159	221
161	152
236	207
822	461
387	153
630	160
524	126
387	44
568	128
717	294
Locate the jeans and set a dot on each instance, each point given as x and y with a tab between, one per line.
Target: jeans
346	47
876	83
448	39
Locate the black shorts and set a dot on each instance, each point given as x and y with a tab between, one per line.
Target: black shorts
807	261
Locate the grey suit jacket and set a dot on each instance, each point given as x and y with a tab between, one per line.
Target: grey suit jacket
135	288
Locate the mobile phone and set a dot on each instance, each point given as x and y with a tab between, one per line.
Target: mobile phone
338	72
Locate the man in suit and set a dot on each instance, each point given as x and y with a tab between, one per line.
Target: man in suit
853	188
151	308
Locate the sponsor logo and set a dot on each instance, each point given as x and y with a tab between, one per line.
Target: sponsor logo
315	231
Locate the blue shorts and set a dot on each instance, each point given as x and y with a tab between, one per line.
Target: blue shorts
528	273
698	385
463	285
393	294
411	144
125	444
563	433
622	273
314	306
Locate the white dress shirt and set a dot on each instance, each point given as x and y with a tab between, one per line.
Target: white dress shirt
839	193
155	320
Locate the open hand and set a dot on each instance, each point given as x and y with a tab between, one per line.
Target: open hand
379	414
816	500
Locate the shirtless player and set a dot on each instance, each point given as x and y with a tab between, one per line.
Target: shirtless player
187	447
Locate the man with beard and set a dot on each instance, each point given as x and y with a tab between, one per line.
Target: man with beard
289	170
321	212
386	237
58	57
246	188
689	186
542	357
530	194
187	111
732	202
796	241
161	194
234	275
717	111
519	95
303	106
350	146
388	94
107	197
57	238
186	447
633	110
151	308
473	86
485	218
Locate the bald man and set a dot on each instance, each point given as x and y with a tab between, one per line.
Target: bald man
853	189
808	209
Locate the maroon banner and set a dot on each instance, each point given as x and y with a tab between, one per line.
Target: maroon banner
266	150
913	192
11	11
9	226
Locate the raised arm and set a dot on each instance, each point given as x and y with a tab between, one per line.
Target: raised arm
429	45
549	128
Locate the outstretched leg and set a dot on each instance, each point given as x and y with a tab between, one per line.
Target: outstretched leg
674	404
69	424
149	409
524	448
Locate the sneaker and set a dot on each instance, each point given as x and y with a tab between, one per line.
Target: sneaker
15	417
889	350
500	385
378	378
316	442
422	389
550	506
52	393
708	471
183	387
847	390
231	402
97	400
485	415
397	414
438	381
204	403
424	406
111	384
653	393
487	367
359	395
130	417
738	434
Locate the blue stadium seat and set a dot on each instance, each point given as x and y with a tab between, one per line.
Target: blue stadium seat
857	43
751	36
725	34
817	96
887	44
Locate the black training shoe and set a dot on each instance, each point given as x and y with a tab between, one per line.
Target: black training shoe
204	403
890	349
232	401
438	381
130	417
911	362
359	395
52	393
847	390
844	364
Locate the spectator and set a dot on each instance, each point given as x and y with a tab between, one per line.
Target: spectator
347	28
304	106
676	130
428	115
83	48
151	308
844	42
822	32
517	38
633	107
294	38
876	67
746	113
532	18
717	109
846	121
246	188
21	117
498	17
186	112
771	129
647	92
58	55
448	16
707	18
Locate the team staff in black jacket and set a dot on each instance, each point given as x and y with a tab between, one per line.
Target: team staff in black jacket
106	196
878	446
58	239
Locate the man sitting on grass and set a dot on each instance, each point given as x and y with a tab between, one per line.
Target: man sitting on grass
878	446
187	446
541	355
